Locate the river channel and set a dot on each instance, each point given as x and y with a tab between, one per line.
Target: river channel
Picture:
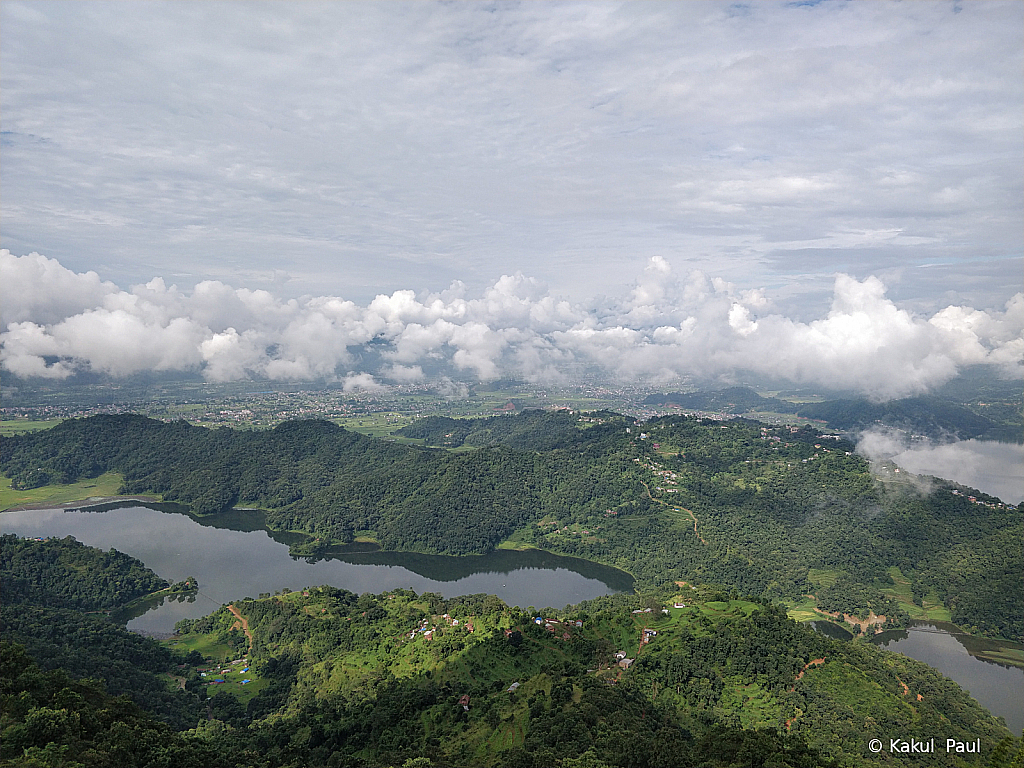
233	556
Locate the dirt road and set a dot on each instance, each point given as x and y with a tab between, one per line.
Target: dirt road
241	623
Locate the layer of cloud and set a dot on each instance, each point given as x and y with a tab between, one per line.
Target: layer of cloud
663	326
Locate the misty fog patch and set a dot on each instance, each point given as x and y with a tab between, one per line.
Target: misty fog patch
996	468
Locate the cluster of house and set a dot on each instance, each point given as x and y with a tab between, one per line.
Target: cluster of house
428	631
566	529
553	625
220	680
670	479
976	500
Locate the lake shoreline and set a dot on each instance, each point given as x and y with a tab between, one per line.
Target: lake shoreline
92	501
339	549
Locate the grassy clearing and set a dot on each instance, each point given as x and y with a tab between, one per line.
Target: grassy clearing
1005	655
107	484
218	666
233	683
207	645
9	427
383	425
517	546
931	607
803	609
380	424
754	706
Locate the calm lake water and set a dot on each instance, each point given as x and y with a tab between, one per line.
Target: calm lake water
999	688
236	558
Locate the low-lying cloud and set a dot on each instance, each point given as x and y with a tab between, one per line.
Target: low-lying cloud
664	326
992	467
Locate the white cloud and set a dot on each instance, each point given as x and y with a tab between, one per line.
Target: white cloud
41	289
662	328
360	381
403	374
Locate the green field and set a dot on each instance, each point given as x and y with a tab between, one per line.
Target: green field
107	484
380	424
931	607
384	424
10	427
219	656
822	578
804	609
1005	655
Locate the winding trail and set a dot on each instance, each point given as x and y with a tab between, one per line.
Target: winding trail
241	623
808	665
675	508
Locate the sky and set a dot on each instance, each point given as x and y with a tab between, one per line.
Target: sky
828	193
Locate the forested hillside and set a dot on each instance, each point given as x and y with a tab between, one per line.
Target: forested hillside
68	574
678	677
773	511
52	719
48	587
378	680
79	690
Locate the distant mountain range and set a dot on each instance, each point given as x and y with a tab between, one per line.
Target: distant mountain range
927	415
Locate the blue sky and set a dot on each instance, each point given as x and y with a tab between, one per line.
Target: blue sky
600	154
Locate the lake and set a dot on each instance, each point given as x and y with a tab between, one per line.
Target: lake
992	467
233	556
999	688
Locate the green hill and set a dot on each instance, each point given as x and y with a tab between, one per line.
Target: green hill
756	507
933	416
378	680
679	676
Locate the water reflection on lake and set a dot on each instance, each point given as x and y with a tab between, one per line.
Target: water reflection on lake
998	687
242	559
828	629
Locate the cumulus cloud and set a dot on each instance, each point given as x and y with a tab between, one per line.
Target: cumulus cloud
663	327
356	382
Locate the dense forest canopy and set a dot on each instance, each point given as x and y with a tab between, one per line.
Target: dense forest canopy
69	574
756	507
56	597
